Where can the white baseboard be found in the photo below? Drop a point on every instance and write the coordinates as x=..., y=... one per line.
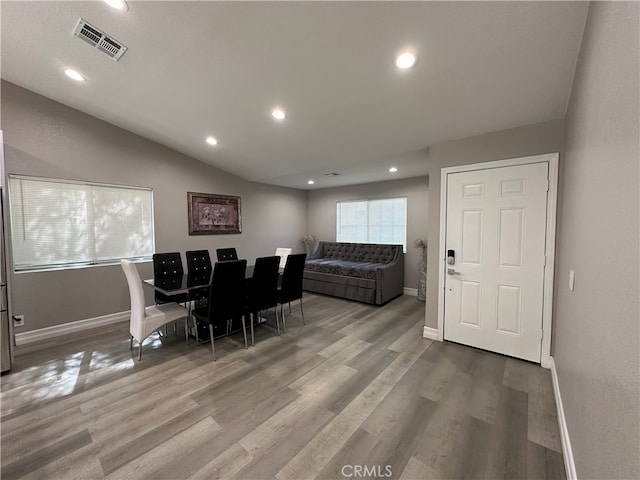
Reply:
x=412, y=292
x=567, y=452
x=65, y=328
x=431, y=333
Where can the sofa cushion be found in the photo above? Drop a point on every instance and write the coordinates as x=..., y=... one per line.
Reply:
x=343, y=267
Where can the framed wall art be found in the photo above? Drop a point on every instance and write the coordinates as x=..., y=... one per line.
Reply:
x=211, y=214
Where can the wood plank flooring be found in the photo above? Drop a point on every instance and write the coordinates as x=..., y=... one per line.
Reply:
x=355, y=393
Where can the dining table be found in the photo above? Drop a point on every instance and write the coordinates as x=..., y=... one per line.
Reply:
x=190, y=283
x=185, y=283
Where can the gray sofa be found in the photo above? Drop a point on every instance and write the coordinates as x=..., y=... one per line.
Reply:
x=364, y=272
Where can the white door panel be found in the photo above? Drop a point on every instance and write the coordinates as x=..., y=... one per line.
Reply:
x=496, y=224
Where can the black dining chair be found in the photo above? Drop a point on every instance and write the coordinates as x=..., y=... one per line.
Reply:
x=291, y=288
x=225, y=254
x=225, y=303
x=167, y=269
x=262, y=290
x=198, y=272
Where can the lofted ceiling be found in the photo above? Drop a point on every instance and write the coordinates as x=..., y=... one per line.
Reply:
x=194, y=69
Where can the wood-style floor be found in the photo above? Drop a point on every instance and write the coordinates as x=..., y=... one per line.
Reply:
x=356, y=393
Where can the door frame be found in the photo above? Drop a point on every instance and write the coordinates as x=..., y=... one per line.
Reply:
x=550, y=244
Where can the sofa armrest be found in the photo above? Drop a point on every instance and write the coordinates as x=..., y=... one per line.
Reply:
x=318, y=253
x=390, y=279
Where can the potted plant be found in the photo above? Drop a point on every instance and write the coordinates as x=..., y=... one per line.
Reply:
x=421, y=245
x=308, y=242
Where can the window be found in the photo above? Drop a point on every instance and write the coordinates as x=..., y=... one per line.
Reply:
x=373, y=221
x=62, y=224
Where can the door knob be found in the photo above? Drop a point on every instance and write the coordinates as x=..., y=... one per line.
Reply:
x=451, y=271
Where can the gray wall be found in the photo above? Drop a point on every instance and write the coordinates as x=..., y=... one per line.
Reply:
x=45, y=138
x=517, y=142
x=322, y=213
x=597, y=325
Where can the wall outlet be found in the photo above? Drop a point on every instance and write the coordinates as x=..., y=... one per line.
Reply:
x=18, y=320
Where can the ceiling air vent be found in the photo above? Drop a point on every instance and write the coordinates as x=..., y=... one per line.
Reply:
x=97, y=38
x=331, y=174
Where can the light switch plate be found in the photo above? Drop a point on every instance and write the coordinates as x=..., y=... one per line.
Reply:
x=572, y=280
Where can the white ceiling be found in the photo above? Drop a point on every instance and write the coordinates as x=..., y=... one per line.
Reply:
x=217, y=68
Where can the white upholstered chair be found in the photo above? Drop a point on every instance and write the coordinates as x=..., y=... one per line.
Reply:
x=283, y=253
x=145, y=320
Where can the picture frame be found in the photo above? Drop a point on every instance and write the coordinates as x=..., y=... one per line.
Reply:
x=211, y=214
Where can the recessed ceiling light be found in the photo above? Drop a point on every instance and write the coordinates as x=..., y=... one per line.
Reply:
x=117, y=4
x=406, y=60
x=278, y=114
x=310, y=182
x=393, y=170
x=71, y=73
x=212, y=140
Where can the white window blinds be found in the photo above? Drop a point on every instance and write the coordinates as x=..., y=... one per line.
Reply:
x=373, y=221
x=58, y=223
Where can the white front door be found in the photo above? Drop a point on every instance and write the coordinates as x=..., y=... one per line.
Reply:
x=494, y=284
